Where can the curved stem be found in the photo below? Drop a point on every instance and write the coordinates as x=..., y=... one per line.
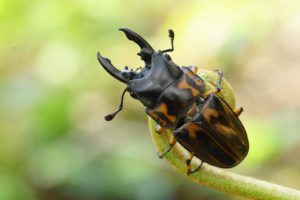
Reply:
x=220, y=179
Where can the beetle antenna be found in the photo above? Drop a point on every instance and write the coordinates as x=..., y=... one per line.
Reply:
x=172, y=36
x=112, y=115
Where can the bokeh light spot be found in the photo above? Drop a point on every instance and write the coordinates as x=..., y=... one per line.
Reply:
x=57, y=64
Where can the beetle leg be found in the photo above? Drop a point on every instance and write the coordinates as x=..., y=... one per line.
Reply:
x=218, y=84
x=188, y=163
x=193, y=68
x=172, y=142
x=213, y=91
x=158, y=129
x=197, y=168
x=220, y=73
x=238, y=111
x=189, y=166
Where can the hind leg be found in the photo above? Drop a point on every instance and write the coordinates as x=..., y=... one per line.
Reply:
x=189, y=166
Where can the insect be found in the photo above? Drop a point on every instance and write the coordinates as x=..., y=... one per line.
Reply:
x=176, y=99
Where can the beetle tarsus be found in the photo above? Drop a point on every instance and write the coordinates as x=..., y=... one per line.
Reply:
x=161, y=155
x=197, y=168
x=218, y=84
x=220, y=73
x=172, y=142
x=189, y=166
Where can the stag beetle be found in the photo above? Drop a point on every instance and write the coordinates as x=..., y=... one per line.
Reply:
x=176, y=98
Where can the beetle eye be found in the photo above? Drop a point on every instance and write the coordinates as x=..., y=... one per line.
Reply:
x=167, y=57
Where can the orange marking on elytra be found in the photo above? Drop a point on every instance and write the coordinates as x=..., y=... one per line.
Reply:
x=192, y=129
x=209, y=113
x=221, y=131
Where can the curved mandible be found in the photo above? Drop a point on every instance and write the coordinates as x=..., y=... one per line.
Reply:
x=146, y=49
x=106, y=64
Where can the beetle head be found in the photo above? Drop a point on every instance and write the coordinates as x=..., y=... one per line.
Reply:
x=145, y=53
x=148, y=82
x=126, y=74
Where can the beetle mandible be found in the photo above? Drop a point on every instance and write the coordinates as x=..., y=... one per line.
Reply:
x=176, y=98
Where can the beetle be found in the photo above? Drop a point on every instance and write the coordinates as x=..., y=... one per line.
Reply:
x=176, y=99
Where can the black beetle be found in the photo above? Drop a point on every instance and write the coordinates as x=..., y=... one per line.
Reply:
x=175, y=97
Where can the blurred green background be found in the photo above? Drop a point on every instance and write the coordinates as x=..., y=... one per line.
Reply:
x=54, y=142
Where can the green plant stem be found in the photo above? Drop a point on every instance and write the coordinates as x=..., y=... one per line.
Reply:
x=220, y=179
